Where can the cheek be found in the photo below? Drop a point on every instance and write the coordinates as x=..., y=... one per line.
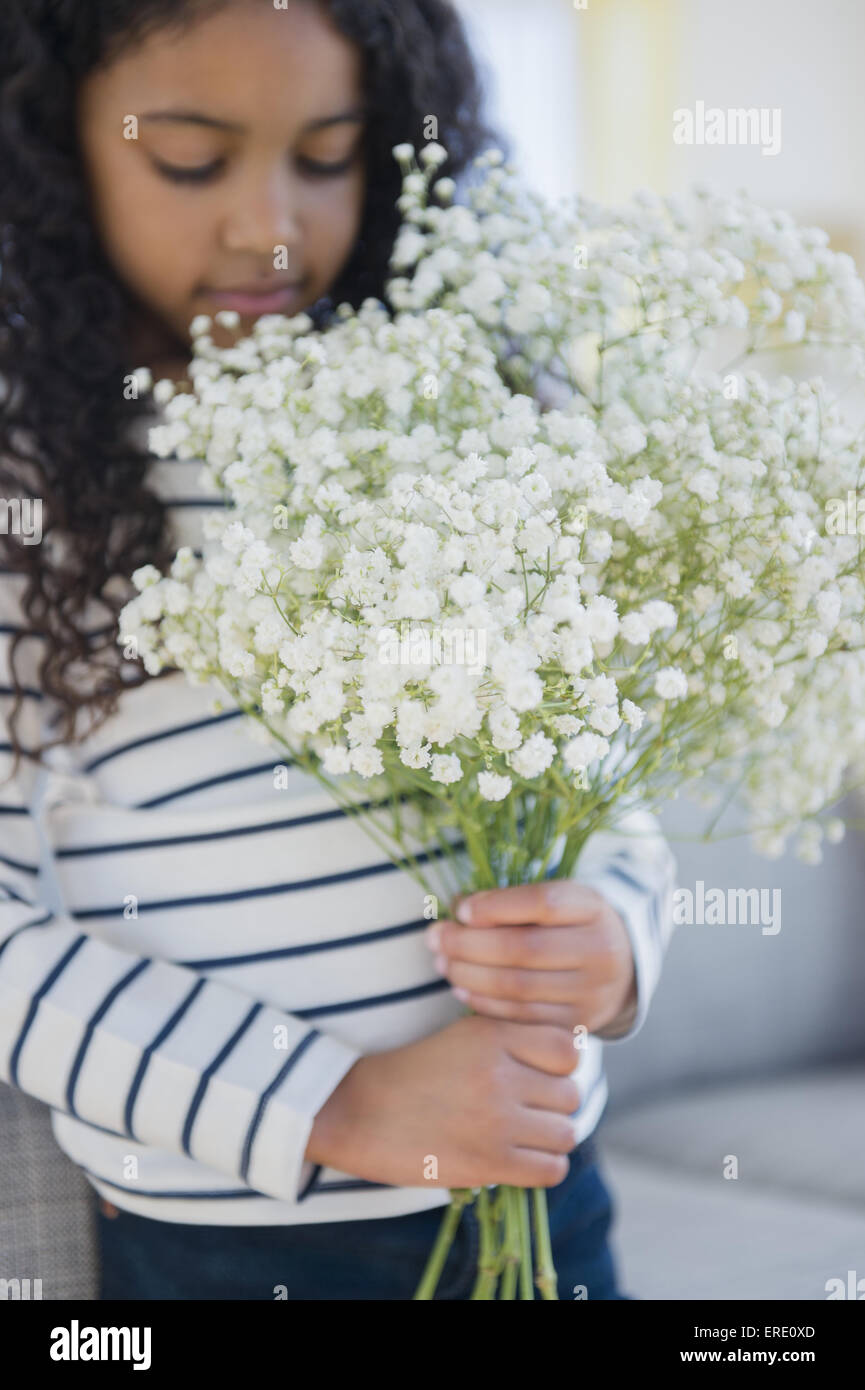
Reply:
x=334, y=223
x=154, y=235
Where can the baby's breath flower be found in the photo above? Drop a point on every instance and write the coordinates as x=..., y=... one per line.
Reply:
x=433, y=154
x=520, y=522
x=671, y=684
x=145, y=576
x=445, y=767
x=493, y=787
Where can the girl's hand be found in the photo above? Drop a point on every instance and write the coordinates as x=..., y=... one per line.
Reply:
x=554, y=952
x=478, y=1102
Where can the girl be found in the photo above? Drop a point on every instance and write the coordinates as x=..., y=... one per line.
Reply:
x=218, y=985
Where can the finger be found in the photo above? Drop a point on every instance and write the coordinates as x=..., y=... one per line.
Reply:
x=523, y=986
x=539, y=1129
x=535, y=1168
x=542, y=1047
x=556, y=902
x=533, y=946
x=561, y=1015
x=557, y=1093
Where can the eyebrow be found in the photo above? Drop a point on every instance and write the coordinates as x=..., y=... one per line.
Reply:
x=213, y=122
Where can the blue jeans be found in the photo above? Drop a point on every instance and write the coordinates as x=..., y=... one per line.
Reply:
x=380, y=1259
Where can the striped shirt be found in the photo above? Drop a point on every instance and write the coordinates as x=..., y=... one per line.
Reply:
x=194, y=948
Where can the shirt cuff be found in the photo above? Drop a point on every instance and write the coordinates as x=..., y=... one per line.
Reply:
x=636, y=873
x=278, y=1165
x=647, y=963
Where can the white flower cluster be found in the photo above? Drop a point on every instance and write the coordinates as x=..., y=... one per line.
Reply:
x=574, y=290
x=640, y=571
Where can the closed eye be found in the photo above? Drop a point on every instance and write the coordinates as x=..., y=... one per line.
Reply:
x=318, y=169
x=313, y=167
x=199, y=175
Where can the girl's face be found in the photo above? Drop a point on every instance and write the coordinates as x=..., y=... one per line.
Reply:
x=244, y=171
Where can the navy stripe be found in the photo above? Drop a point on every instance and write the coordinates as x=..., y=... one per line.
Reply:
x=199, y=837
x=156, y=738
x=282, y=952
x=146, y=1055
x=374, y=1000
x=14, y=811
x=103, y=1129
x=204, y=1079
x=267, y=891
x=92, y=1023
x=12, y=895
x=265, y=1097
x=202, y=786
x=311, y=818
x=348, y=1185
x=309, y=1186
x=7, y=748
x=151, y=1192
x=40, y=993
x=25, y=690
x=40, y=922
x=618, y=872
x=19, y=864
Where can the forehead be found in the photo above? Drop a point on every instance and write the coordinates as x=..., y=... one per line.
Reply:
x=262, y=68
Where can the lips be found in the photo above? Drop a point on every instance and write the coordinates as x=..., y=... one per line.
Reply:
x=272, y=298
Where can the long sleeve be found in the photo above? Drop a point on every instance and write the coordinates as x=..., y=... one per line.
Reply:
x=139, y=1047
x=635, y=869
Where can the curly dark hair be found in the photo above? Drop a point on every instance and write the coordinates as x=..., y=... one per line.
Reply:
x=64, y=313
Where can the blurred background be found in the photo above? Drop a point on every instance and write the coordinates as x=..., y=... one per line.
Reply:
x=587, y=94
x=734, y=1139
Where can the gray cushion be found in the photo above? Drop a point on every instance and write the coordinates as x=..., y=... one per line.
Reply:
x=801, y=1134
x=47, y=1227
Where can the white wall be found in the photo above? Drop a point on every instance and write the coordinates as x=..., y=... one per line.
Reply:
x=529, y=51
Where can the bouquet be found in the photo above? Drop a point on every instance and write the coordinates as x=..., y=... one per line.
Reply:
x=524, y=461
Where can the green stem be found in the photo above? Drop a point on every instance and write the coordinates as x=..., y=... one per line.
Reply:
x=447, y=1230
x=526, y=1287
x=487, y=1277
x=511, y=1251
x=545, y=1277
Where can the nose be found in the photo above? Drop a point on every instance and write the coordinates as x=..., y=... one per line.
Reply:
x=264, y=214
